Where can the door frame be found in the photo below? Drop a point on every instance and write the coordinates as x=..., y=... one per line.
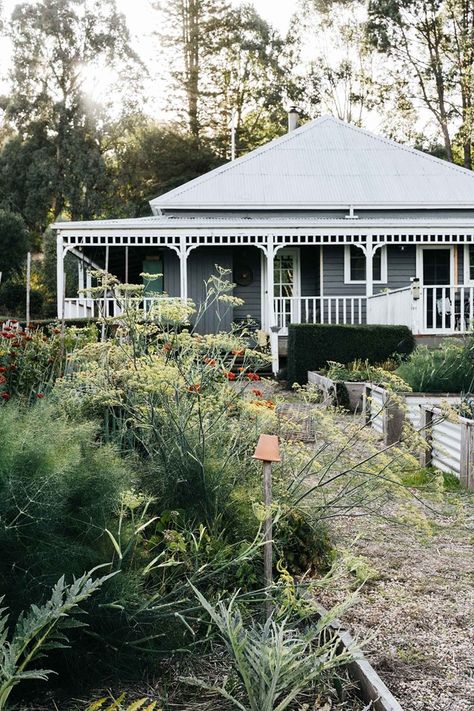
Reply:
x=295, y=253
x=419, y=260
x=265, y=316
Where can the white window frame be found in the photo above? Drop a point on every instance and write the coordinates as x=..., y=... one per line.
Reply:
x=347, y=266
x=466, y=270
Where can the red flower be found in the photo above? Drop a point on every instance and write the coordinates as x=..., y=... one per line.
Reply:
x=253, y=376
x=2, y=379
x=5, y=396
x=3, y=369
x=28, y=338
x=40, y=395
x=257, y=393
x=196, y=388
x=230, y=376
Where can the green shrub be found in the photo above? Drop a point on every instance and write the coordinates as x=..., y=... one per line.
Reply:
x=447, y=369
x=59, y=491
x=14, y=242
x=310, y=346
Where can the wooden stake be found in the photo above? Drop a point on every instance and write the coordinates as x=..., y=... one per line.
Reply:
x=268, y=536
x=267, y=451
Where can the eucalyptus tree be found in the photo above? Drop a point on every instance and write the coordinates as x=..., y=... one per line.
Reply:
x=431, y=43
x=60, y=48
x=252, y=81
x=225, y=63
x=191, y=32
x=340, y=74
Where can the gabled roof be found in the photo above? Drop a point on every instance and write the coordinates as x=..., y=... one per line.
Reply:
x=327, y=164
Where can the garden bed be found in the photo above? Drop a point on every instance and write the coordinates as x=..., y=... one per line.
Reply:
x=347, y=393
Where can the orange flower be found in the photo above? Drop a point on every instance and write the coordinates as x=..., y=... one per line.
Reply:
x=253, y=376
x=230, y=376
x=257, y=393
x=2, y=379
x=240, y=352
x=167, y=347
x=265, y=403
x=210, y=361
x=196, y=388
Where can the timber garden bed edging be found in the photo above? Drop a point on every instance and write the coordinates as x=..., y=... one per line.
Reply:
x=372, y=688
x=348, y=393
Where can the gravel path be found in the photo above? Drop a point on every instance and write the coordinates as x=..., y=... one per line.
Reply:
x=416, y=610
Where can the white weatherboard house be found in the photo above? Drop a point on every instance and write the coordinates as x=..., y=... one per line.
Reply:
x=328, y=224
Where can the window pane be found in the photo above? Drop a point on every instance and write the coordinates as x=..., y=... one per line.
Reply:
x=471, y=263
x=377, y=265
x=357, y=264
x=358, y=272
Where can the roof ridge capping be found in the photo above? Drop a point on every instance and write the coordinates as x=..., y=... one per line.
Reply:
x=348, y=194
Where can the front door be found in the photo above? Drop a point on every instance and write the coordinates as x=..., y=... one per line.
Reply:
x=436, y=283
x=286, y=288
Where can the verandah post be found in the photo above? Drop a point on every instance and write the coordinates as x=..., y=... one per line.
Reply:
x=60, y=276
x=271, y=316
x=183, y=269
x=369, y=266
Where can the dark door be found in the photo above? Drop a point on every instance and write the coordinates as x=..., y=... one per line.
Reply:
x=436, y=267
x=437, y=272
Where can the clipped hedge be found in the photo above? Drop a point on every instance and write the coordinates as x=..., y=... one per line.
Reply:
x=310, y=346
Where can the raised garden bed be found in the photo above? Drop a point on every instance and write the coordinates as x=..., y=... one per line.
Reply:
x=387, y=411
x=349, y=394
x=449, y=440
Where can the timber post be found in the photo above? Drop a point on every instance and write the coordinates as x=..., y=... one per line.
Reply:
x=267, y=451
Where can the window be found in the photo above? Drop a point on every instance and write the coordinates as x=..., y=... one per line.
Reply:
x=470, y=263
x=354, y=265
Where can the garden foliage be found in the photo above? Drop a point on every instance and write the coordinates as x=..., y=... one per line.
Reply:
x=447, y=369
x=138, y=456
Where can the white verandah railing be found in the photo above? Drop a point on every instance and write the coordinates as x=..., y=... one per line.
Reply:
x=109, y=307
x=318, y=309
x=425, y=309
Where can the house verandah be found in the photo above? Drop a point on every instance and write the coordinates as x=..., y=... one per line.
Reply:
x=297, y=269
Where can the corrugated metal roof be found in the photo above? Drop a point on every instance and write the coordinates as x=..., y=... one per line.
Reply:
x=327, y=163
x=427, y=222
